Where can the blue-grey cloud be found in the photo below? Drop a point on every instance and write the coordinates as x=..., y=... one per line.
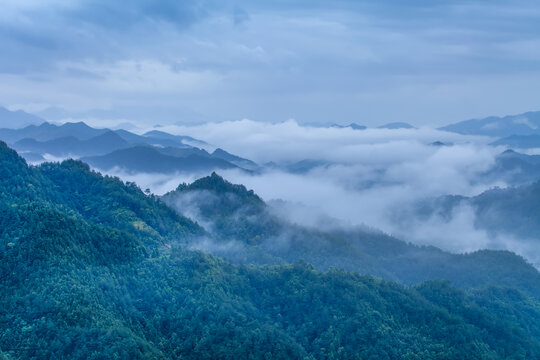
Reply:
x=340, y=61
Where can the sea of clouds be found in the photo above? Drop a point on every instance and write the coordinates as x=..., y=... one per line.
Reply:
x=371, y=177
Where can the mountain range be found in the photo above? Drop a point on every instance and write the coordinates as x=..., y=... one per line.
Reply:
x=353, y=126
x=507, y=215
x=154, y=151
x=522, y=124
x=396, y=125
x=147, y=159
x=91, y=267
x=17, y=119
x=514, y=168
x=519, y=141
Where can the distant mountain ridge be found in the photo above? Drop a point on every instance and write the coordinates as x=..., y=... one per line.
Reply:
x=511, y=214
x=353, y=126
x=68, y=146
x=519, y=141
x=521, y=124
x=515, y=168
x=164, y=138
x=396, y=125
x=152, y=152
x=46, y=131
x=17, y=119
x=147, y=159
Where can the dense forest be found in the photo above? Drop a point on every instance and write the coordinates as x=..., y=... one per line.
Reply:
x=94, y=268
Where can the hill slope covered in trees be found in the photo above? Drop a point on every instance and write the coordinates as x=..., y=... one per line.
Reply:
x=247, y=230
x=89, y=269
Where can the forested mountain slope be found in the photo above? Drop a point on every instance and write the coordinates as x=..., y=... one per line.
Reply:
x=246, y=230
x=82, y=277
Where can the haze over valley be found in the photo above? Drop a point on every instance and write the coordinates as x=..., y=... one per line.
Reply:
x=350, y=175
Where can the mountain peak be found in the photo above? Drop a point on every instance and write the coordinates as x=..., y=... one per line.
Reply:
x=353, y=126
x=396, y=125
x=521, y=124
x=17, y=119
x=219, y=151
x=10, y=163
x=76, y=125
x=218, y=184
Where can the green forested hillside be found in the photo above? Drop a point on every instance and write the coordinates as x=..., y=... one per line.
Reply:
x=77, y=191
x=235, y=216
x=91, y=268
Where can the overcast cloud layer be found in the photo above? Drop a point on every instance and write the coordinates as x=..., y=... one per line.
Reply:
x=425, y=62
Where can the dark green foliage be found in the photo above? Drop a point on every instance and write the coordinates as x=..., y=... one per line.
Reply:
x=77, y=282
x=70, y=188
x=17, y=180
x=42, y=233
x=234, y=211
x=193, y=306
x=70, y=145
x=108, y=201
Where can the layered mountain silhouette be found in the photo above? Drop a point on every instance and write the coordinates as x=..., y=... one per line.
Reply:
x=353, y=126
x=47, y=131
x=396, y=125
x=17, y=119
x=522, y=124
x=72, y=146
x=149, y=159
x=514, y=168
x=519, y=141
x=166, y=139
x=154, y=151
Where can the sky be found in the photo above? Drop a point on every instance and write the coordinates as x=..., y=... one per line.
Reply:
x=426, y=62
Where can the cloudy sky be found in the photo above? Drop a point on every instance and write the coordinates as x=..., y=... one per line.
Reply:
x=427, y=62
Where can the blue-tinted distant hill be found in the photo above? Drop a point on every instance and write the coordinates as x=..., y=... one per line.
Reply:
x=148, y=159
x=522, y=124
x=519, y=141
x=396, y=125
x=510, y=214
x=514, y=168
x=237, y=160
x=80, y=130
x=47, y=131
x=353, y=126
x=71, y=146
x=17, y=119
x=80, y=140
x=167, y=139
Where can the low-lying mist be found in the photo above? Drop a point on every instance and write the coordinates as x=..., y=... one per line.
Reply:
x=370, y=177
